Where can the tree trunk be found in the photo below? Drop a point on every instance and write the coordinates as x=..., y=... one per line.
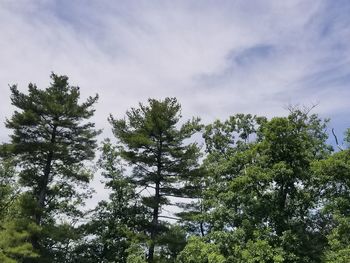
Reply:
x=154, y=229
x=42, y=191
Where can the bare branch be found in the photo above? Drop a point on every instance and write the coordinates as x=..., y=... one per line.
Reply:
x=169, y=217
x=336, y=140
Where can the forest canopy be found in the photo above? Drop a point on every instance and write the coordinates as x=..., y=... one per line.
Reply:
x=252, y=189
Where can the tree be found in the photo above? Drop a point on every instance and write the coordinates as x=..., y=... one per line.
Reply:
x=14, y=240
x=339, y=242
x=51, y=142
x=332, y=181
x=347, y=137
x=199, y=251
x=14, y=229
x=155, y=147
x=8, y=188
x=230, y=151
x=116, y=223
x=267, y=185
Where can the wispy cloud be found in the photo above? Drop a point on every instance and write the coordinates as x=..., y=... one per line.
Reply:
x=217, y=57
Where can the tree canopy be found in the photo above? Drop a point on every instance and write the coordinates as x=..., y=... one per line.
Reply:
x=50, y=144
x=245, y=189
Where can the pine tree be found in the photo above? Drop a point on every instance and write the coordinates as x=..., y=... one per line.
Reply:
x=8, y=188
x=51, y=142
x=14, y=229
x=117, y=222
x=155, y=147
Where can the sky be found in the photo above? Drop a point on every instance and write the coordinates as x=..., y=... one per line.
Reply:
x=218, y=57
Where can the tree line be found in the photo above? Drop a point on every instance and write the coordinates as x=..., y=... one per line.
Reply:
x=253, y=189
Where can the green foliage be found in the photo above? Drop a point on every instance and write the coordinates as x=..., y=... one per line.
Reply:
x=199, y=251
x=332, y=180
x=136, y=254
x=151, y=142
x=50, y=144
x=339, y=242
x=118, y=222
x=240, y=246
x=347, y=137
x=8, y=187
x=171, y=243
x=267, y=190
x=14, y=243
x=14, y=230
x=15, y=235
x=225, y=138
x=260, y=251
x=268, y=183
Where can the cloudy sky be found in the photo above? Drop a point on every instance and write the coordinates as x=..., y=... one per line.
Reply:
x=217, y=57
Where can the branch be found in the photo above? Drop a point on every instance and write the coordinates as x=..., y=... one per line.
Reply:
x=170, y=217
x=336, y=140
x=143, y=189
x=9, y=202
x=178, y=196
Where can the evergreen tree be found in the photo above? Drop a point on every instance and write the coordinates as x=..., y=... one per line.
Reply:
x=15, y=229
x=8, y=188
x=116, y=223
x=51, y=142
x=155, y=147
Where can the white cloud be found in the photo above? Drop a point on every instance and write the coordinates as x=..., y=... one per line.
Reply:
x=216, y=57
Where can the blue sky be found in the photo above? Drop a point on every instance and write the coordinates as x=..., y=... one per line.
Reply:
x=217, y=57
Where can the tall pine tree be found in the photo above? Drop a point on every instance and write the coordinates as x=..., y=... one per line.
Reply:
x=155, y=147
x=51, y=142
